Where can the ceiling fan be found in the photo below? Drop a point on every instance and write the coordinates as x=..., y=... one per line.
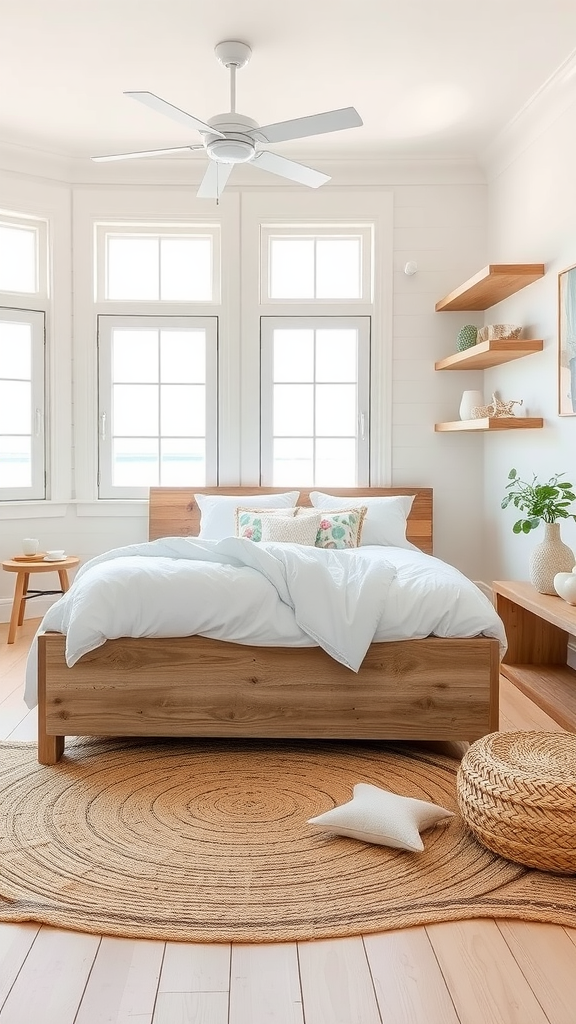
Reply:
x=233, y=138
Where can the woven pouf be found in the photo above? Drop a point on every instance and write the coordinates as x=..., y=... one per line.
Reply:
x=517, y=795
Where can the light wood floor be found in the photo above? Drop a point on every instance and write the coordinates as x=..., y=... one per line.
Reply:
x=474, y=972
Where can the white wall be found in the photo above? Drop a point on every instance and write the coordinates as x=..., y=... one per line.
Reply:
x=440, y=223
x=532, y=213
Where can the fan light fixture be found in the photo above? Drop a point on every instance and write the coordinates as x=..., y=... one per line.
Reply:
x=233, y=138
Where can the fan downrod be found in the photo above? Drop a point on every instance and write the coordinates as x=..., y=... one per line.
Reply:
x=233, y=54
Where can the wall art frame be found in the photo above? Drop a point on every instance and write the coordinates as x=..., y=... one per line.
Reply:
x=567, y=342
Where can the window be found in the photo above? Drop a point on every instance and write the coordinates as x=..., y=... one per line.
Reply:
x=329, y=266
x=158, y=403
x=23, y=281
x=172, y=264
x=315, y=401
x=21, y=404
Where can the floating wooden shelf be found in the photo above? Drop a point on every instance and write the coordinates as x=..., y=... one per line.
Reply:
x=489, y=353
x=492, y=284
x=493, y=423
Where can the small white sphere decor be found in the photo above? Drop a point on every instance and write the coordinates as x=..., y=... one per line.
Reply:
x=565, y=586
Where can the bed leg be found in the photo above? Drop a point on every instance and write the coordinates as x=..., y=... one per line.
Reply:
x=50, y=748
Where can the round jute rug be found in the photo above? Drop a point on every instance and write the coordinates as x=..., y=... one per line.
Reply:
x=207, y=840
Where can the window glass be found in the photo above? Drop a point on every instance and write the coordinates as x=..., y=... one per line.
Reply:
x=292, y=268
x=338, y=268
x=18, y=259
x=133, y=268
x=186, y=269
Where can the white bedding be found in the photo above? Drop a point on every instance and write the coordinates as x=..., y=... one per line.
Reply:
x=266, y=594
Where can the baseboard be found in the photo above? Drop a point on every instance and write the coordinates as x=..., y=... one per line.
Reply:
x=36, y=607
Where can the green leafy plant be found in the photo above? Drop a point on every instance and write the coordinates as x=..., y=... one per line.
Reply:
x=541, y=502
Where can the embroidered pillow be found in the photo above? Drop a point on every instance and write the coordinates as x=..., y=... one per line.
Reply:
x=385, y=519
x=249, y=520
x=295, y=530
x=375, y=815
x=337, y=529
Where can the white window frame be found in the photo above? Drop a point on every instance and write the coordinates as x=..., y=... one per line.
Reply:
x=105, y=326
x=37, y=321
x=267, y=327
x=40, y=229
x=104, y=230
x=310, y=231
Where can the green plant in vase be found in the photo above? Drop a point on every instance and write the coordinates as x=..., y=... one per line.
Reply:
x=543, y=503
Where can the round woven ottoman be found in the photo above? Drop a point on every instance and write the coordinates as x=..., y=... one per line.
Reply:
x=517, y=795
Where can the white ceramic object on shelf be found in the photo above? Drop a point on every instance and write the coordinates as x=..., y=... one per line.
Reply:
x=565, y=586
x=548, y=559
x=30, y=546
x=470, y=400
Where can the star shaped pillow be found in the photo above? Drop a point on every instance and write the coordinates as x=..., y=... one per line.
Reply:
x=376, y=816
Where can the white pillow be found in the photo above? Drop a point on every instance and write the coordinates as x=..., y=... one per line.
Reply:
x=300, y=530
x=377, y=816
x=218, y=511
x=385, y=521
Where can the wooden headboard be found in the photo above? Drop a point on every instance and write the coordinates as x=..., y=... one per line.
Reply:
x=173, y=511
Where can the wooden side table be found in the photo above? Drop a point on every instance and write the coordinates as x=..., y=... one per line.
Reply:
x=538, y=627
x=21, y=592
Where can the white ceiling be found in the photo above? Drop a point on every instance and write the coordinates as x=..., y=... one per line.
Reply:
x=430, y=78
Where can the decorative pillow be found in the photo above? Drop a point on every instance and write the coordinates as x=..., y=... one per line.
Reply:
x=249, y=520
x=218, y=511
x=377, y=816
x=338, y=529
x=385, y=519
x=298, y=530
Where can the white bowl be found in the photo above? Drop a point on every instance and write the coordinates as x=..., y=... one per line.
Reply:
x=55, y=556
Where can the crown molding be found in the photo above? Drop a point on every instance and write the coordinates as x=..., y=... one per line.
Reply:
x=545, y=106
x=368, y=171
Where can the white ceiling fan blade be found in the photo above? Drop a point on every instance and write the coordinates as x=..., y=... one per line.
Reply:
x=213, y=182
x=314, y=124
x=277, y=164
x=146, y=152
x=162, y=107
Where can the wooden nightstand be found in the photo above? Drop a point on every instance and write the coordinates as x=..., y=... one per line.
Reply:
x=538, y=627
x=21, y=592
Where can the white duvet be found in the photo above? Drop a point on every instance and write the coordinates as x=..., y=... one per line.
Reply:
x=266, y=594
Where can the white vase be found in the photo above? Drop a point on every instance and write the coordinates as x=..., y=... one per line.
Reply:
x=548, y=558
x=470, y=399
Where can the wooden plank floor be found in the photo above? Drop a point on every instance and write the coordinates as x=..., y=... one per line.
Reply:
x=471, y=972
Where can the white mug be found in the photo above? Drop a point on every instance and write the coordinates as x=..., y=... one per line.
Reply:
x=30, y=546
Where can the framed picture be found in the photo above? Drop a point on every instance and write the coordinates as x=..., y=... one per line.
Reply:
x=567, y=342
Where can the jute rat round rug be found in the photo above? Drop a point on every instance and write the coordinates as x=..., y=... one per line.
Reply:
x=208, y=841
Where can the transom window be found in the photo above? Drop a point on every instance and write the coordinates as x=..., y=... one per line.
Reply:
x=315, y=401
x=332, y=266
x=171, y=265
x=158, y=404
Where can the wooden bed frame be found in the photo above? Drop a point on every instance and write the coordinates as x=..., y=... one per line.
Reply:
x=432, y=689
